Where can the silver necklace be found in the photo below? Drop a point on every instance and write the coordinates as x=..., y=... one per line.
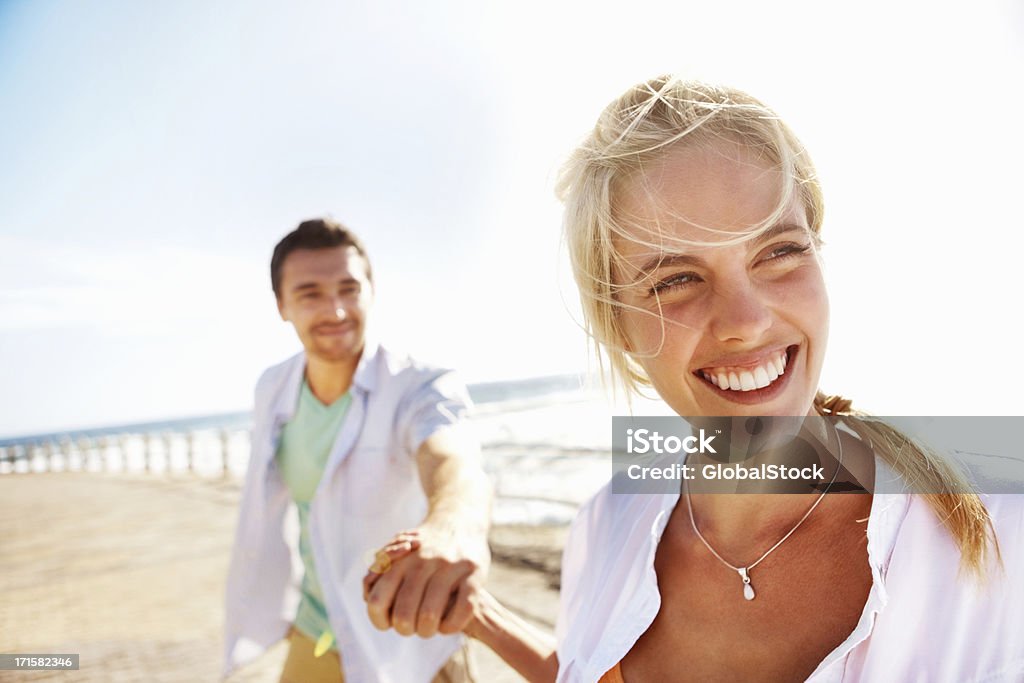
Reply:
x=744, y=572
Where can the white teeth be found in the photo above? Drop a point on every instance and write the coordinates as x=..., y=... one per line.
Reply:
x=748, y=380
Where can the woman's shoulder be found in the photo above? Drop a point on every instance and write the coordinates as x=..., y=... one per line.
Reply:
x=1006, y=510
x=607, y=565
x=923, y=532
x=612, y=536
x=1004, y=506
x=611, y=515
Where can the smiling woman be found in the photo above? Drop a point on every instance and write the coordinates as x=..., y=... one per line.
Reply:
x=686, y=290
x=693, y=219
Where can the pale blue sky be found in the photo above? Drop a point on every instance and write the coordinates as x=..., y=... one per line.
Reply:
x=153, y=153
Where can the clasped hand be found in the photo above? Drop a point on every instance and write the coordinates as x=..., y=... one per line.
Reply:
x=425, y=581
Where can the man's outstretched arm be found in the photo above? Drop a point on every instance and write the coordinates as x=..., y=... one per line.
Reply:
x=433, y=584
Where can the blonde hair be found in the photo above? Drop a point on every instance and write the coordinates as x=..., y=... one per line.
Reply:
x=638, y=129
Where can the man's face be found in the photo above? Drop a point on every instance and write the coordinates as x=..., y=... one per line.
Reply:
x=326, y=295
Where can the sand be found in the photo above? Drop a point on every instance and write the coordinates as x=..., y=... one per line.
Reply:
x=128, y=571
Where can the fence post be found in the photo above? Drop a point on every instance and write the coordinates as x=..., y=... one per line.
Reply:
x=103, y=452
x=122, y=441
x=47, y=449
x=167, y=440
x=64, y=447
x=225, y=443
x=85, y=446
x=190, y=440
x=49, y=453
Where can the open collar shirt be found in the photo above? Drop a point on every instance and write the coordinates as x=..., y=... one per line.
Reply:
x=921, y=622
x=369, y=491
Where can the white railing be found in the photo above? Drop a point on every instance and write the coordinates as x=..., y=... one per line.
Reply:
x=223, y=453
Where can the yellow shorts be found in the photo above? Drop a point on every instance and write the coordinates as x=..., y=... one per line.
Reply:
x=302, y=667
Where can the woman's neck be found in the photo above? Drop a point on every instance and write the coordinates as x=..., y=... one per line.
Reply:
x=748, y=515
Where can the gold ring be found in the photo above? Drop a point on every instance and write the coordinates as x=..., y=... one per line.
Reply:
x=381, y=562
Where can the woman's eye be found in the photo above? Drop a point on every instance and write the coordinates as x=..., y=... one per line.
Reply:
x=785, y=250
x=672, y=282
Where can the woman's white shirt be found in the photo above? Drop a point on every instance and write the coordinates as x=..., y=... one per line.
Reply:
x=921, y=622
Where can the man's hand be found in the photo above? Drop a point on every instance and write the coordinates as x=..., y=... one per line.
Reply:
x=428, y=578
x=426, y=581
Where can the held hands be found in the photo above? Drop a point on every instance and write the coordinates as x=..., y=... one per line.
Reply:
x=426, y=581
x=394, y=588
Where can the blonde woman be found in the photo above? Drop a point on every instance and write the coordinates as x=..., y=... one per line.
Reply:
x=693, y=219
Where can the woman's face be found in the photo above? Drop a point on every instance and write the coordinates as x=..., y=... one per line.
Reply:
x=721, y=330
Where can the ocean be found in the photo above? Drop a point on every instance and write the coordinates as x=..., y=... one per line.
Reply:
x=483, y=394
x=546, y=445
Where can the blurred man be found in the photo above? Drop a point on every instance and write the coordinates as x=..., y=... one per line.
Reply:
x=372, y=450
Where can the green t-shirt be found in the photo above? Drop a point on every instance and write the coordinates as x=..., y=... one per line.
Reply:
x=306, y=443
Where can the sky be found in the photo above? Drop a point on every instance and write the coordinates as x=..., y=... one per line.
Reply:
x=152, y=154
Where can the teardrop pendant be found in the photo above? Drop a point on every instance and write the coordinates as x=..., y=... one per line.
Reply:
x=748, y=589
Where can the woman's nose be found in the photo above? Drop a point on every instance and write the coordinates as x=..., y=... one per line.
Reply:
x=740, y=314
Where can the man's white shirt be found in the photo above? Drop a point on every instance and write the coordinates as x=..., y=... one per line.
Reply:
x=370, y=490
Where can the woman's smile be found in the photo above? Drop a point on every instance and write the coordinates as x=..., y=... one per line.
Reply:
x=751, y=383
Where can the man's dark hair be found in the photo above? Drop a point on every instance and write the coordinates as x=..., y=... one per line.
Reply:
x=316, y=233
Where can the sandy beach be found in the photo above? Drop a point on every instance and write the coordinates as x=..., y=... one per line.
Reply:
x=128, y=570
